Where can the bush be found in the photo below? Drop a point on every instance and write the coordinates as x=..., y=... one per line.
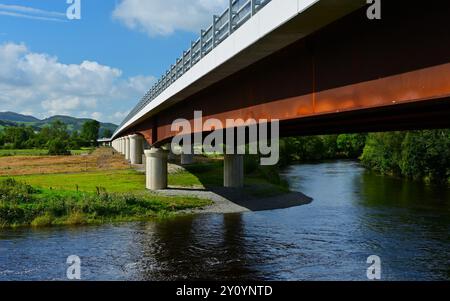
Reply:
x=58, y=147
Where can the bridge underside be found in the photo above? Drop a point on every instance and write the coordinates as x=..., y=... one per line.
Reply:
x=354, y=75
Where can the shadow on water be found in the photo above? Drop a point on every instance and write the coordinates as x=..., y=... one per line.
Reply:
x=187, y=250
x=378, y=190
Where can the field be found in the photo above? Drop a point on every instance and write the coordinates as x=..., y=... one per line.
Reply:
x=82, y=189
x=101, y=159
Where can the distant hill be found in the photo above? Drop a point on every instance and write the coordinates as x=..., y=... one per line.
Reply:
x=11, y=116
x=73, y=124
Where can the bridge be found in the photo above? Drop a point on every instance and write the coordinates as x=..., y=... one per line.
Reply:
x=319, y=67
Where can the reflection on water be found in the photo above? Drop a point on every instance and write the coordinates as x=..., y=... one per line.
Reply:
x=355, y=214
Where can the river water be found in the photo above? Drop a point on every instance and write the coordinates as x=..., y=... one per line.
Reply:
x=355, y=214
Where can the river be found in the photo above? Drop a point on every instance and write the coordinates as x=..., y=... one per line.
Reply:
x=355, y=214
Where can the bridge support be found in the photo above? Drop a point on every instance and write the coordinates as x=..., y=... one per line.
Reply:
x=187, y=159
x=127, y=148
x=156, y=169
x=136, y=149
x=233, y=171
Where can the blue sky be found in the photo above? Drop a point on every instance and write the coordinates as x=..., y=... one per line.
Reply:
x=98, y=66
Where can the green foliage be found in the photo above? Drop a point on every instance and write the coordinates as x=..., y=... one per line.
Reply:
x=383, y=152
x=90, y=131
x=416, y=155
x=315, y=148
x=107, y=133
x=351, y=145
x=75, y=141
x=58, y=147
x=55, y=137
x=17, y=137
x=56, y=130
x=2, y=137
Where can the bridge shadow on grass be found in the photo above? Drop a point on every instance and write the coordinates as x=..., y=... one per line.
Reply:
x=205, y=180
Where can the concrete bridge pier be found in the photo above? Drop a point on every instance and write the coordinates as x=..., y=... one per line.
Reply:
x=127, y=148
x=156, y=168
x=187, y=159
x=171, y=156
x=233, y=171
x=136, y=149
x=122, y=148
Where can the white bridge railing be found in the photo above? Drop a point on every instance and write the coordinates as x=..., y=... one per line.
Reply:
x=223, y=25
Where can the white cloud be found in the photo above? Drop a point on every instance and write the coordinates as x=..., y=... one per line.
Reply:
x=27, y=12
x=38, y=83
x=164, y=17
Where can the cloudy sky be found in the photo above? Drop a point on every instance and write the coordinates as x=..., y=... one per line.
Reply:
x=98, y=66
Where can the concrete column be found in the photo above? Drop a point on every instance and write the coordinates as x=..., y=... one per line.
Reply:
x=233, y=171
x=156, y=168
x=187, y=159
x=127, y=148
x=171, y=156
x=121, y=146
x=136, y=149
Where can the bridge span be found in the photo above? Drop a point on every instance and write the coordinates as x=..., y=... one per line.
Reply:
x=317, y=66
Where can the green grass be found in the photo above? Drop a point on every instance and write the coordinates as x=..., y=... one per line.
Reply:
x=258, y=183
x=199, y=175
x=23, y=152
x=116, y=181
x=24, y=205
x=38, y=152
x=82, y=151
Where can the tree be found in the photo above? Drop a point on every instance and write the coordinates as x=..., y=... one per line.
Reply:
x=90, y=131
x=56, y=129
x=351, y=145
x=57, y=147
x=426, y=154
x=2, y=139
x=18, y=137
x=107, y=133
x=383, y=152
x=75, y=141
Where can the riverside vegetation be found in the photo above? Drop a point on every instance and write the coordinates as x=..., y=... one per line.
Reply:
x=419, y=155
x=24, y=205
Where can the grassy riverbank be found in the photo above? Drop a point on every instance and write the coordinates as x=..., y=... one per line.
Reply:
x=101, y=187
x=25, y=205
x=79, y=190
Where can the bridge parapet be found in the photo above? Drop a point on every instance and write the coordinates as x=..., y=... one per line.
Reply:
x=237, y=13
